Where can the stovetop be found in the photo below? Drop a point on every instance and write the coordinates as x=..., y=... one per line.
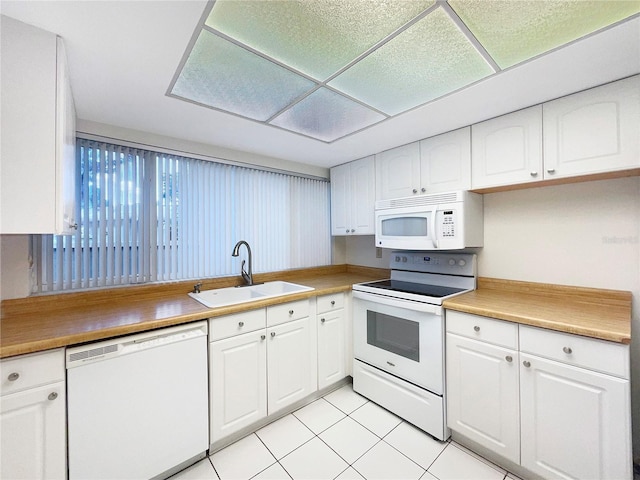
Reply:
x=425, y=277
x=436, y=291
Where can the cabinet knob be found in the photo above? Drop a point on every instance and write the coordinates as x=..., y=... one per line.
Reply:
x=322, y=320
x=262, y=337
x=290, y=312
x=534, y=174
x=551, y=170
x=347, y=230
x=567, y=350
x=353, y=230
x=333, y=302
x=13, y=376
x=526, y=363
x=476, y=328
x=423, y=190
x=53, y=395
x=509, y=358
x=415, y=190
x=273, y=334
x=240, y=324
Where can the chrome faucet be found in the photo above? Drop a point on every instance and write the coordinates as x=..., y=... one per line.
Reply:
x=247, y=276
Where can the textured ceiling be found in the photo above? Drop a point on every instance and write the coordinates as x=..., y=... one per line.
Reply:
x=329, y=68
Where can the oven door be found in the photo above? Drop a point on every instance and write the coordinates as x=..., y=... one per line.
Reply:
x=402, y=337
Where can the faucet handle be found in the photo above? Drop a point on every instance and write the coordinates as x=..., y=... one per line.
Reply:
x=196, y=287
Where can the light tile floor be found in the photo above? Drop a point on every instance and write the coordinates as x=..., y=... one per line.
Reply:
x=343, y=436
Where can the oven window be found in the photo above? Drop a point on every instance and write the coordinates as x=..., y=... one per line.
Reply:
x=405, y=227
x=393, y=334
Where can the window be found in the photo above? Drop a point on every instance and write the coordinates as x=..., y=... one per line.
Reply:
x=149, y=216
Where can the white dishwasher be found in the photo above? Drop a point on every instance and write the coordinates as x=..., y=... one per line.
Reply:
x=138, y=405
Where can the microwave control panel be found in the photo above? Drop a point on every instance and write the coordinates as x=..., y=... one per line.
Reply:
x=447, y=223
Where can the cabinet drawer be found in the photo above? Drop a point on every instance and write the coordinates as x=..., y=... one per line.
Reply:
x=27, y=371
x=231, y=325
x=591, y=353
x=286, y=312
x=328, y=303
x=485, y=329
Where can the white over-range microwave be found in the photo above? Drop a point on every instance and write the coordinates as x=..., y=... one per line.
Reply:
x=439, y=221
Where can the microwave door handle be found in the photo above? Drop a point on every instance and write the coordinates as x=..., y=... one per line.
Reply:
x=434, y=233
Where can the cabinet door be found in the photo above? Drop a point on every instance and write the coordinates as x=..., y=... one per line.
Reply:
x=507, y=149
x=398, y=172
x=363, y=196
x=291, y=362
x=482, y=394
x=597, y=130
x=445, y=162
x=238, y=383
x=36, y=121
x=33, y=434
x=341, y=200
x=331, y=348
x=575, y=422
x=65, y=147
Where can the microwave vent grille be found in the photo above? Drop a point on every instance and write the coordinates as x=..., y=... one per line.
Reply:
x=420, y=200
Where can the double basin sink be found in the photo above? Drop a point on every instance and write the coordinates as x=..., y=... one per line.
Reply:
x=221, y=297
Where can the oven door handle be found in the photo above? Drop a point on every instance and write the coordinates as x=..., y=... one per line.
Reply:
x=398, y=303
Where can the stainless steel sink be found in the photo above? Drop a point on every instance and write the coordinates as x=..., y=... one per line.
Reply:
x=221, y=297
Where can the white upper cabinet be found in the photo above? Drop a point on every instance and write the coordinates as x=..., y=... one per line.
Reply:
x=445, y=162
x=507, y=150
x=437, y=164
x=398, y=172
x=353, y=198
x=38, y=133
x=594, y=131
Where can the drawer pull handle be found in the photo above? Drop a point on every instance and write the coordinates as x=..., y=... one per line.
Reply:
x=567, y=350
x=509, y=358
x=476, y=328
x=290, y=312
x=13, y=376
x=526, y=363
x=333, y=302
x=392, y=364
x=273, y=334
x=240, y=324
x=262, y=337
x=53, y=396
x=322, y=320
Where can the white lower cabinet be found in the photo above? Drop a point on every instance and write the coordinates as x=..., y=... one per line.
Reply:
x=331, y=340
x=291, y=363
x=33, y=417
x=555, y=403
x=482, y=386
x=257, y=373
x=238, y=383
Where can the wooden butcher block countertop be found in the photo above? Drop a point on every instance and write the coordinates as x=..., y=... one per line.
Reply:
x=50, y=321
x=603, y=314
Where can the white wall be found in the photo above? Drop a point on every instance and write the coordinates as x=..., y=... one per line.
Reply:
x=14, y=266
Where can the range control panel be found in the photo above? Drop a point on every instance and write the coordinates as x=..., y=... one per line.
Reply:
x=434, y=262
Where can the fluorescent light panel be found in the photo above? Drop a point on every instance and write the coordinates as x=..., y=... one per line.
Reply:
x=270, y=61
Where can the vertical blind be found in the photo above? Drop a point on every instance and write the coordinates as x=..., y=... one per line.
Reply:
x=149, y=216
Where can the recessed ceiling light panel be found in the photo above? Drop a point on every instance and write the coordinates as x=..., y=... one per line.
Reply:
x=316, y=37
x=225, y=76
x=426, y=61
x=515, y=31
x=327, y=115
